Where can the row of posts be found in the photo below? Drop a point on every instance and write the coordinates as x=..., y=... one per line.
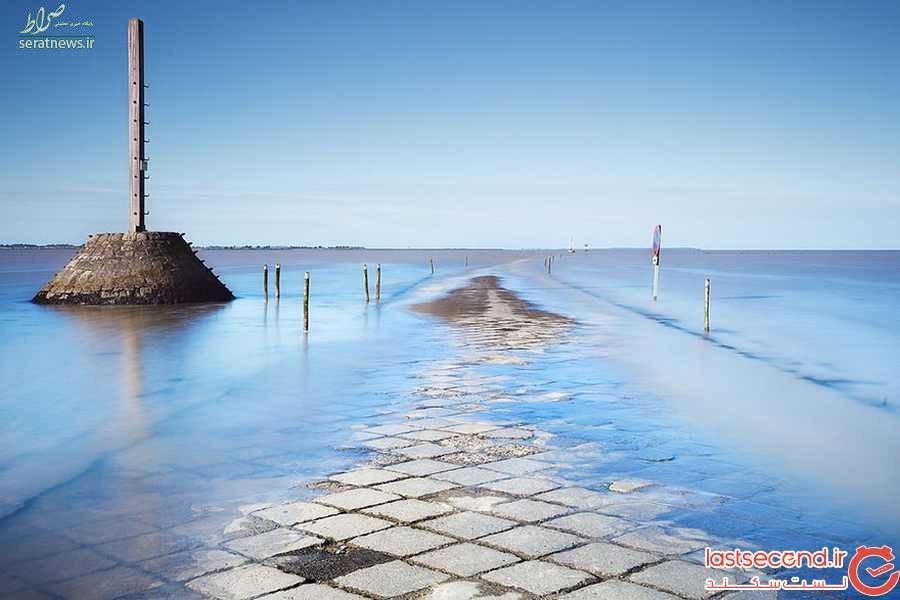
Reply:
x=548, y=266
x=365, y=270
x=305, y=289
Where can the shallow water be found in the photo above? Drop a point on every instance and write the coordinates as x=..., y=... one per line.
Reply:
x=135, y=433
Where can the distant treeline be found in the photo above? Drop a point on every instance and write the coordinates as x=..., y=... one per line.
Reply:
x=248, y=247
x=38, y=246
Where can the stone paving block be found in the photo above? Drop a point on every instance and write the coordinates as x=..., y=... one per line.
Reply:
x=416, y=487
x=465, y=559
x=637, y=511
x=272, y=543
x=517, y=466
x=108, y=530
x=591, y=525
x=522, y=486
x=422, y=467
x=533, y=541
x=469, y=476
x=537, y=577
x=355, y=499
x=605, y=560
x=477, y=502
x=391, y=429
x=401, y=541
x=295, y=512
x=683, y=578
x=426, y=450
x=468, y=525
x=312, y=591
x=244, y=582
x=391, y=579
x=616, y=590
x=529, y=510
x=510, y=433
x=428, y=435
x=471, y=428
x=578, y=497
x=344, y=526
x=656, y=539
x=387, y=443
x=62, y=566
x=437, y=422
x=627, y=486
x=193, y=563
x=111, y=583
x=409, y=510
x=149, y=545
x=366, y=476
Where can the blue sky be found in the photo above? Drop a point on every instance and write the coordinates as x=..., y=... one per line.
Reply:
x=488, y=123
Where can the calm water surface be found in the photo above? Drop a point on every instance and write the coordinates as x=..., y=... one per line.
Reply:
x=139, y=431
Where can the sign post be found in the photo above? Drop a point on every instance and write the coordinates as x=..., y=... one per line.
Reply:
x=657, y=239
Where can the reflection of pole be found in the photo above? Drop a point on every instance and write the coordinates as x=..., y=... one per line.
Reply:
x=655, y=281
x=706, y=306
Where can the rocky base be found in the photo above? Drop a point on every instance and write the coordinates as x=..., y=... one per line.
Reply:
x=153, y=267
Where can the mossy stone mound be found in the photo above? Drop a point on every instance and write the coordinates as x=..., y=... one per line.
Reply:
x=151, y=267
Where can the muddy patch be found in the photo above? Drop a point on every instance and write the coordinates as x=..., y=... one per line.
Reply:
x=497, y=317
x=323, y=563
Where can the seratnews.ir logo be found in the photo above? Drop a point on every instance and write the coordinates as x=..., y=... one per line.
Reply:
x=33, y=35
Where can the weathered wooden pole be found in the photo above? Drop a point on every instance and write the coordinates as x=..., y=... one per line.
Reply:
x=706, y=306
x=366, y=281
x=277, y=280
x=378, y=283
x=431, y=262
x=137, y=159
x=549, y=264
x=306, y=301
x=266, y=281
x=467, y=260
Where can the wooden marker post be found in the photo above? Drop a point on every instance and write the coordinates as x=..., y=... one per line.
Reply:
x=706, y=306
x=366, y=281
x=378, y=283
x=467, y=260
x=431, y=262
x=266, y=281
x=277, y=280
x=657, y=241
x=306, y=301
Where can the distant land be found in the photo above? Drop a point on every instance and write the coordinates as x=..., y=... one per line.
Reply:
x=213, y=247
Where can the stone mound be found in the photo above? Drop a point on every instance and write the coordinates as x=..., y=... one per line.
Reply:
x=150, y=267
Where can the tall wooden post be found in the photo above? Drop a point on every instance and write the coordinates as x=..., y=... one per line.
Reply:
x=366, y=281
x=136, y=162
x=306, y=301
x=706, y=306
x=378, y=282
x=277, y=280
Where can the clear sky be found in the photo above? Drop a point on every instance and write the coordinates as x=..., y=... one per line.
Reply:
x=735, y=124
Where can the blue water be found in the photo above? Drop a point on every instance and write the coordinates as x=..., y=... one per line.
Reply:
x=167, y=419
